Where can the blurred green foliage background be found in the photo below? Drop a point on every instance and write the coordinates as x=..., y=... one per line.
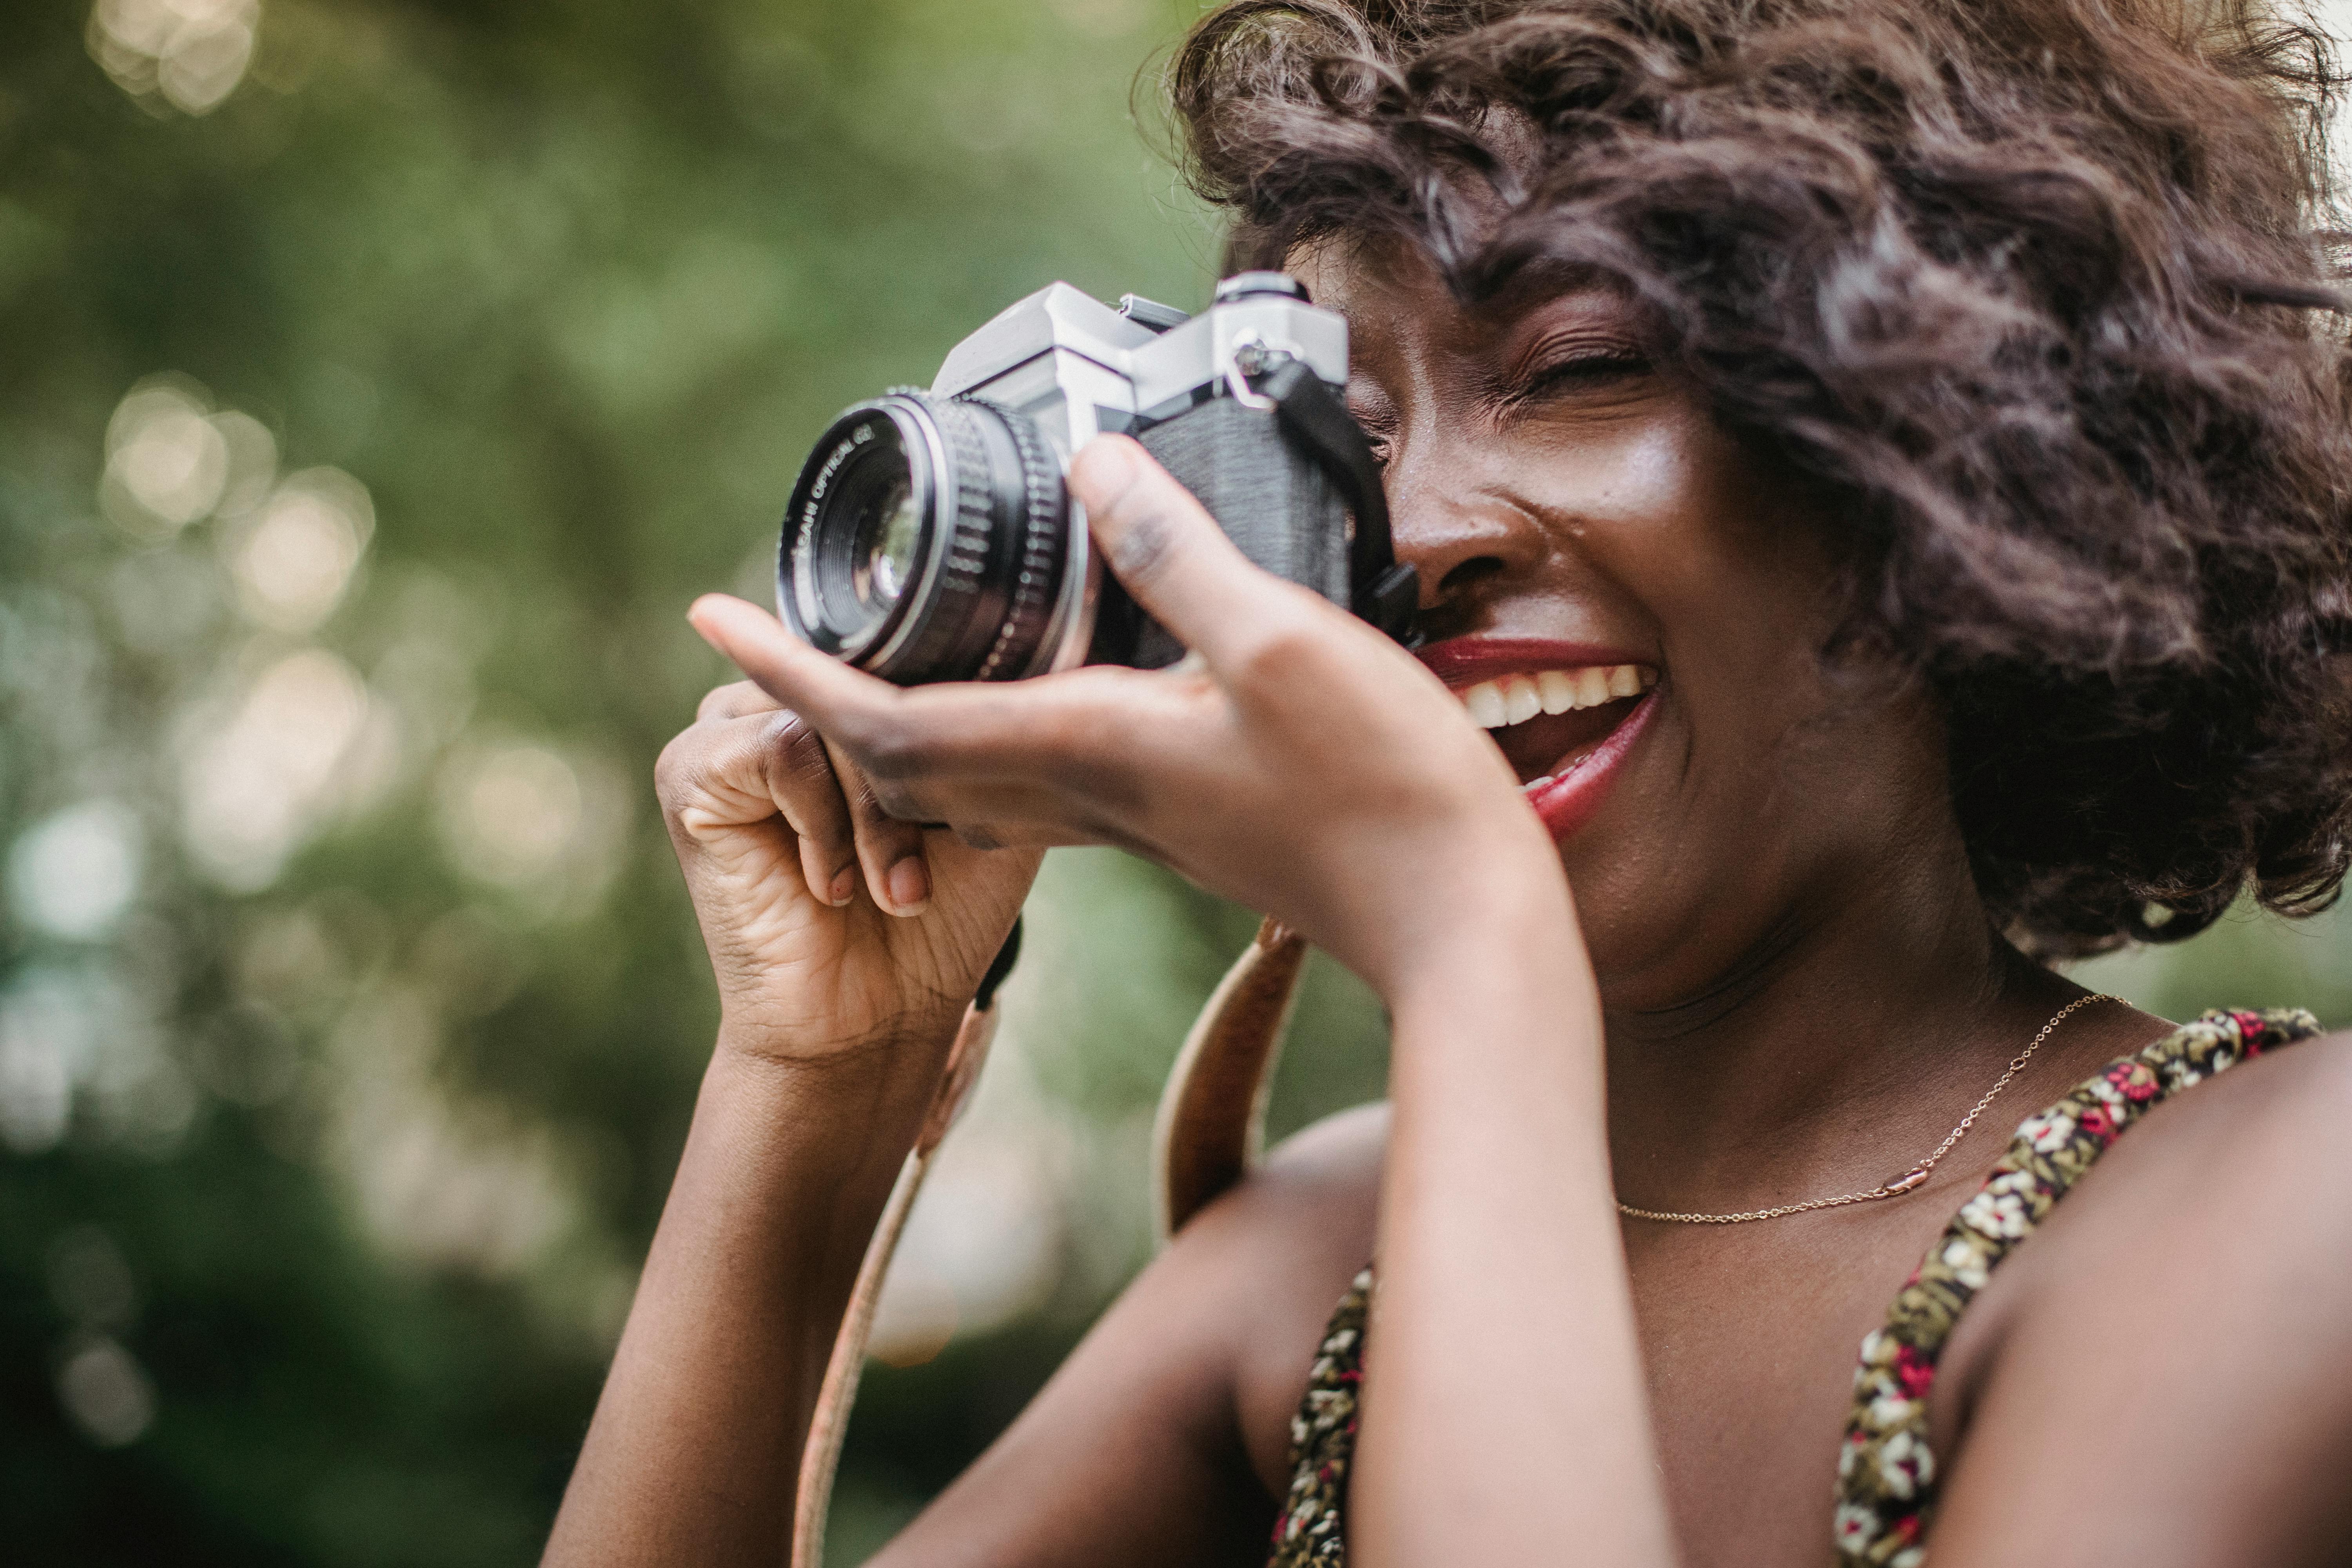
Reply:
x=380, y=382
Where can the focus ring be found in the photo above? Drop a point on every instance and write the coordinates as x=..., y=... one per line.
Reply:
x=1040, y=553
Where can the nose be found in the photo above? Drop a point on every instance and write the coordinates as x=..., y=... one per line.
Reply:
x=1464, y=539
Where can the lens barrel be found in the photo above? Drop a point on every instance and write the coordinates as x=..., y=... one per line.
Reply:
x=928, y=540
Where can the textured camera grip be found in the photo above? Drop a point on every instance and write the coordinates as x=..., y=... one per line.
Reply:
x=1271, y=498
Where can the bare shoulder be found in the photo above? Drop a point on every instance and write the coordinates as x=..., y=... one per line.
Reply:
x=1311, y=1200
x=1292, y=1236
x=1164, y=1437
x=2182, y=1313
x=1325, y=1175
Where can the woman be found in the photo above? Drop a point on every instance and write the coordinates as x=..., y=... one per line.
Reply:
x=1923, y=420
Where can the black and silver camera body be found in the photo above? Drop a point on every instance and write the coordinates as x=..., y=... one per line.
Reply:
x=932, y=536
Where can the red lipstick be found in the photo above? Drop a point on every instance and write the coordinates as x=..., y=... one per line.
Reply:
x=1574, y=794
x=1465, y=662
x=1566, y=792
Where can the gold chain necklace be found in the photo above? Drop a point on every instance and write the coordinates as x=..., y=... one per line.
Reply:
x=1910, y=1179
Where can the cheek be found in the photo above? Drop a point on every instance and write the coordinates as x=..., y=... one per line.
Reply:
x=1714, y=552
x=1707, y=540
x=1737, y=576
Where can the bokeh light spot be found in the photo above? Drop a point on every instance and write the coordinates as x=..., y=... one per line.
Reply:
x=252, y=461
x=36, y=1080
x=107, y=1392
x=189, y=53
x=526, y=818
x=74, y=873
x=294, y=561
x=253, y=786
x=91, y=1280
x=166, y=462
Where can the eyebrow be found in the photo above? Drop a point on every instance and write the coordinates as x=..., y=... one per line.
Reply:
x=1540, y=278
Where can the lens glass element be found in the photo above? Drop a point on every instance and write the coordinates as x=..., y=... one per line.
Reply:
x=887, y=536
x=860, y=530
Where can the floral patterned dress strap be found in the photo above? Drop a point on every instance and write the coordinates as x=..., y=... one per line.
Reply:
x=1886, y=1483
x=1309, y=1535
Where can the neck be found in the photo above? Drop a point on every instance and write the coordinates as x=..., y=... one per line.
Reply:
x=1817, y=1059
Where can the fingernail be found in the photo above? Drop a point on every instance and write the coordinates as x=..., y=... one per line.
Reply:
x=910, y=886
x=844, y=886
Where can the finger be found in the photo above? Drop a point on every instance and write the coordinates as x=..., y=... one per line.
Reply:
x=843, y=702
x=809, y=795
x=724, y=775
x=902, y=737
x=889, y=850
x=1085, y=737
x=1169, y=552
x=734, y=702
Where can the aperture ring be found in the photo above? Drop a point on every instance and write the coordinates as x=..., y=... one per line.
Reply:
x=967, y=556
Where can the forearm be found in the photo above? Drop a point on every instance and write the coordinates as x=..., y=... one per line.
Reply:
x=696, y=1441
x=1506, y=1418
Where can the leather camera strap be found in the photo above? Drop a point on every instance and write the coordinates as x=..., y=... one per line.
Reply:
x=1208, y=1133
x=1211, y=1127
x=829, y=1423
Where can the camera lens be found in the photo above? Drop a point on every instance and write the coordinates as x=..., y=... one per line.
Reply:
x=928, y=540
x=886, y=537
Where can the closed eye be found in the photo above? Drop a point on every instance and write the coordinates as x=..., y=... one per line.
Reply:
x=1575, y=374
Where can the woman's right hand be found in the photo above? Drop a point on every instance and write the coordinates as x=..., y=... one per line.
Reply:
x=835, y=930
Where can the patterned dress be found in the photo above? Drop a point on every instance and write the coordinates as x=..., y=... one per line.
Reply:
x=1885, y=1500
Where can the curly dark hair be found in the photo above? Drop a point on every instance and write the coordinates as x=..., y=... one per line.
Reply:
x=2033, y=288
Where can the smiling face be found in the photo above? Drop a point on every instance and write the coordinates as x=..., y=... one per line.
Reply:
x=1634, y=604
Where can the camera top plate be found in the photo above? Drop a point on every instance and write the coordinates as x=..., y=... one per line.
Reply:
x=1061, y=344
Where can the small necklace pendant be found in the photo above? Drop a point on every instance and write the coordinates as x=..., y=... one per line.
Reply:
x=1910, y=1180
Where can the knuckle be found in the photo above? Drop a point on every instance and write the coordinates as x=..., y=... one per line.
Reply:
x=891, y=805
x=728, y=701
x=894, y=755
x=806, y=787
x=1276, y=650
x=787, y=735
x=675, y=770
x=792, y=752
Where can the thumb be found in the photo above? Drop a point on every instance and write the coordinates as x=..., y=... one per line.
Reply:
x=1169, y=552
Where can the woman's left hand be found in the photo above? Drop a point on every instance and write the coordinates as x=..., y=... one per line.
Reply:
x=1299, y=762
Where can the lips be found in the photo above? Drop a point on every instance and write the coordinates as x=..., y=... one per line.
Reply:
x=1564, y=714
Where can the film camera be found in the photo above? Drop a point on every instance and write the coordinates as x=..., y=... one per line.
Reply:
x=931, y=536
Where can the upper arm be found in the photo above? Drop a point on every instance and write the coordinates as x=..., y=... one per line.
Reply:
x=1150, y=1444
x=2166, y=1378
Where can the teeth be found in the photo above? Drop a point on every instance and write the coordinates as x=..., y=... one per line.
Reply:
x=1515, y=699
x=1520, y=703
